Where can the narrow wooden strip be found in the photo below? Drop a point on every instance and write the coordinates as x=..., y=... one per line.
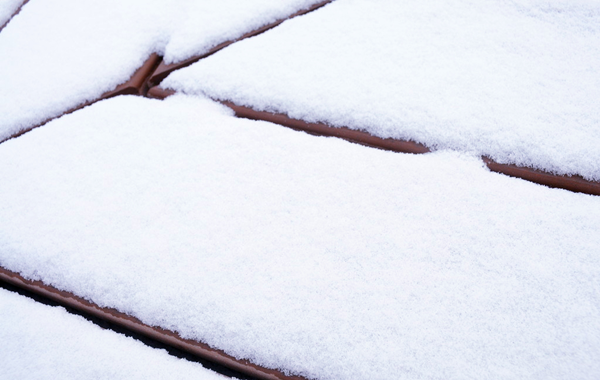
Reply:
x=320, y=129
x=165, y=69
x=136, y=84
x=158, y=92
x=167, y=337
x=573, y=183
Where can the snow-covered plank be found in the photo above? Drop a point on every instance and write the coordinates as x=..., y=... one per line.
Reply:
x=310, y=254
x=45, y=342
x=116, y=318
x=515, y=81
x=60, y=54
x=205, y=24
x=568, y=182
x=135, y=85
x=183, y=51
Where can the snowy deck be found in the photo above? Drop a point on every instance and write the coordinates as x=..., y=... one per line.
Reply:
x=284, y=254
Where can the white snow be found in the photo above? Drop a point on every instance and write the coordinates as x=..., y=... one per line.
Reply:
x=311, y=254
x=518, y=81
x=44, y=342
x=58, y=54
x=7, y=8
x=204, y=24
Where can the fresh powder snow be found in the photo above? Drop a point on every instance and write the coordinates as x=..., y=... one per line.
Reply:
x=204, y=24
x=46, y=343
x=310, y=254
x=59, y=54
x=518, y=81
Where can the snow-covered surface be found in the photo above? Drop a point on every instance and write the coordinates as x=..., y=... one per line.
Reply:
x=515, y=80
x=44, y=342
x=58, y=54
x=7, y=8
x=310, y=254
x=205, y=24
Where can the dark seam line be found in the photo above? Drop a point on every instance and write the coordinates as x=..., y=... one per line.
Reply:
x=107, y=325
x=166, y=337
x=134, y=86
x=572, y=183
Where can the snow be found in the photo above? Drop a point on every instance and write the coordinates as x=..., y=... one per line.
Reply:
x=7, y=8
x=45, y=342
x=205, y=24
x=310, y=254
x=518, y=81
x=59, y=54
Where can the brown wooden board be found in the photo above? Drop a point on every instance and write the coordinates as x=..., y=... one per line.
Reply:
x=320, y=129
x=137, y=84
x=573, y=183
x=165, y=69
x=158, y=92
x=167, y=337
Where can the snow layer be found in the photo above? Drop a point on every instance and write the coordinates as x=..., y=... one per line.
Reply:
x=44, y=342
x=518, y=81
x=59, y=54
x=311, y=254
x=7, y=9
x=205, y=24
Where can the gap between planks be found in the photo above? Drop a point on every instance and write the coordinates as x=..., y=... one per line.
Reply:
x=169, y=338
x=573, y=183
